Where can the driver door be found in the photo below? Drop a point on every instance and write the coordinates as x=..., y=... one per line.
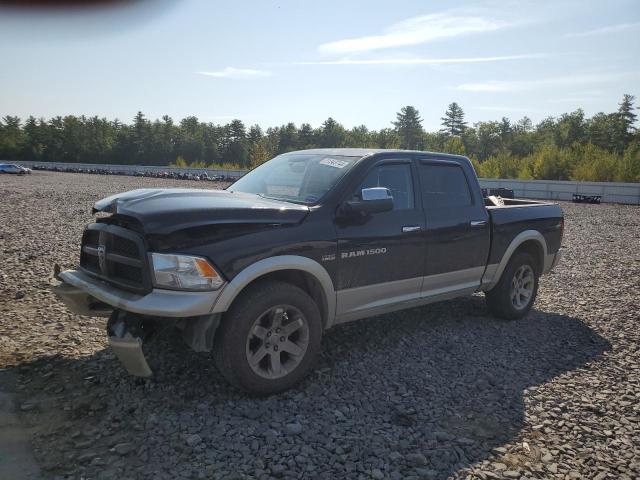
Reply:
x=381, y=256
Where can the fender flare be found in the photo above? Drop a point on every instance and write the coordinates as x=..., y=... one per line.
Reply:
x=490, y=279
x=274, y=264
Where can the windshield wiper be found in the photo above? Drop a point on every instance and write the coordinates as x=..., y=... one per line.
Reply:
x=281, y=199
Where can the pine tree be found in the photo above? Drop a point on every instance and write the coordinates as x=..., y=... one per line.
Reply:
x=453, y=120
x=626, y=119
x=409, y=127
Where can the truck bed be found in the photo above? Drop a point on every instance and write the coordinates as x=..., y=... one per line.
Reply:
x=510, y=217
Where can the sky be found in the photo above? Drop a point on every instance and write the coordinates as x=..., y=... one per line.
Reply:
x=273, y=62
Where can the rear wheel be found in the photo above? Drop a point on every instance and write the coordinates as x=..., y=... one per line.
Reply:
x=269, y=338
x=517, y=288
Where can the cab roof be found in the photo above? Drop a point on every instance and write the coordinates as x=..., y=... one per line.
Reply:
x=363, y=152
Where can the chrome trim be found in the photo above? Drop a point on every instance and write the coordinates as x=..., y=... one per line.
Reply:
x=411, y=228
x=159, y=302
x=375, y=193
x=478, y=223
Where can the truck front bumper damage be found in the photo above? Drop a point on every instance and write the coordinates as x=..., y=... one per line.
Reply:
x=129, y=352
x=86, y=295
x=133, y=318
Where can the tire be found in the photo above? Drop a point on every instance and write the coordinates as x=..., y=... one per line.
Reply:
x=269, y=338
x=504, y=300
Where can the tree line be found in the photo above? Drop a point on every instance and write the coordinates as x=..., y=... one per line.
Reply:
x=604, y=147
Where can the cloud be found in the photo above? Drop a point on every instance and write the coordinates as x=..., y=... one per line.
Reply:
x=232, y=72
x=422, y=61
x=414, y=31
x=604, y=30
x=522, y=85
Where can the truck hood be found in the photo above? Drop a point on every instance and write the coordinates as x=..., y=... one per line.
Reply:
x=164, y=211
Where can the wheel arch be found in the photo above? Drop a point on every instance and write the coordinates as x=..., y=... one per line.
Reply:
x=530, y=241
x=303, y=272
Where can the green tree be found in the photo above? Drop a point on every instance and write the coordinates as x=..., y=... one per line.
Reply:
x=332, y=134
x=237, y=150
x=629, y=167
x=258, y=154
x=453, y=121
x=305, y=136
x=288, y=140
x=489, y=142
x=455, y=146
x=12, y=138
x=593, y=164
x=408, y=126
x=626, y=118
x=386, y=138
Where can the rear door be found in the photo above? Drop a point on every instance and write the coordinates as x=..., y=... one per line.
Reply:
x=381, y=258
x=458, y=236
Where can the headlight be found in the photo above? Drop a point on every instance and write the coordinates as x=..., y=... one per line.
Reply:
x=184, y=272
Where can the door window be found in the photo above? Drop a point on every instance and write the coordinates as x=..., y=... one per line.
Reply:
x=444, y=186
x=397, y=178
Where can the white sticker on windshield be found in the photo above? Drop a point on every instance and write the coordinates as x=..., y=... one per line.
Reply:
x=332, y=162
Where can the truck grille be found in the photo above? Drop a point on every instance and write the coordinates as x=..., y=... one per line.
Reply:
x=117, y=256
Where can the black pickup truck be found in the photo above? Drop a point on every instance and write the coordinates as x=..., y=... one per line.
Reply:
x=257, y=272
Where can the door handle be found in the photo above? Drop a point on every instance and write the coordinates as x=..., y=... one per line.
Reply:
x=411, y=228
x=478, y=223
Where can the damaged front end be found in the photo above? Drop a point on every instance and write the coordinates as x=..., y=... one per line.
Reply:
x=127, y=333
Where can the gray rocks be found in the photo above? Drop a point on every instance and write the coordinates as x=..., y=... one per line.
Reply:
x=294, y=428
x=124, y=448
x=193, y=440
x=416, y=459
x=377, y=474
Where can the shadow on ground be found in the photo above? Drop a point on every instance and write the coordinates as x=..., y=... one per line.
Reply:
x=425, y=392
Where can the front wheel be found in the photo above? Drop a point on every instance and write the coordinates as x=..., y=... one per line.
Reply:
x=516, y=290
x=269, y=338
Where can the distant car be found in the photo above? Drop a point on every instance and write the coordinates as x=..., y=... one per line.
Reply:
x=13, y=168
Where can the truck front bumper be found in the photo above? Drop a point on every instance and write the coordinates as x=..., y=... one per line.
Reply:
x=86, y=295
x=131, y=313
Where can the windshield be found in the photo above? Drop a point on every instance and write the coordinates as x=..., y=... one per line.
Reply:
x=296, y=177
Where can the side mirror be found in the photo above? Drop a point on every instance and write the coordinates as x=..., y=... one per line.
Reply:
x=374, y=200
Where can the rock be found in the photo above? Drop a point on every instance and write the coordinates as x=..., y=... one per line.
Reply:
x=426, y=474
x=124, y=448
x=294, y=428
x=27, y=407
x=193, y=440
x=377, y=474
x=546, y=458
x=393, y=456
x=416, y=459
x=553, y=468
x=278, y=470
x=19, y=295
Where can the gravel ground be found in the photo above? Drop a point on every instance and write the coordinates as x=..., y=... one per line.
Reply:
x=434, y=392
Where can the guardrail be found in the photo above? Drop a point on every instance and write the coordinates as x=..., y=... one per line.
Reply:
x=141, y=168
x=610, y=192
